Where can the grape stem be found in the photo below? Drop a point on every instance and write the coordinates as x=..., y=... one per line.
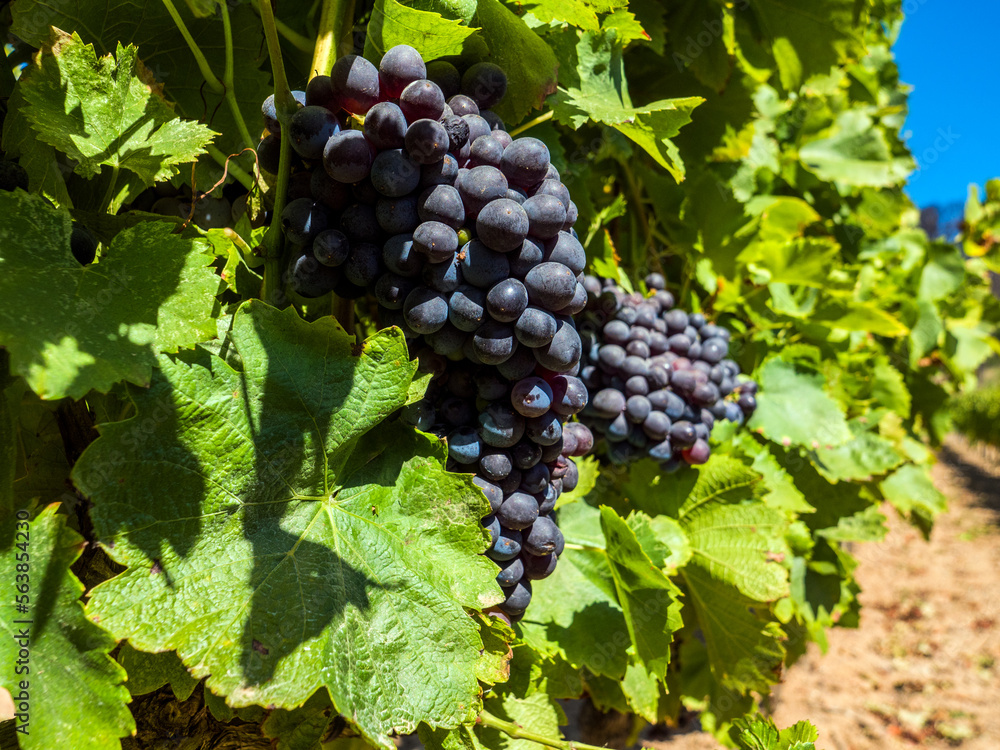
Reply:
x=531, y=123
x=296, y=39
x=516, y=731
x=109, y=194
x=336, y=17
x=213, y=82
x=285, y=105
x=227, y=79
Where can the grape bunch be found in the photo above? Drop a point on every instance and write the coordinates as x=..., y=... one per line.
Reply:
x=660, y=376
x=407, y=188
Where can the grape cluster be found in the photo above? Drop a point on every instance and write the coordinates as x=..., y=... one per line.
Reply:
x=660, y=376
x=464, y=236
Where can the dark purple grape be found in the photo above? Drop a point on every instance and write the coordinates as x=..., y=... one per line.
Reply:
x=355, y=84
x=422, y=99
x=484, y=83
x=401, y=65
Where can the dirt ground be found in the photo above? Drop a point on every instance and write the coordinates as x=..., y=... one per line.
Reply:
x=923, y=670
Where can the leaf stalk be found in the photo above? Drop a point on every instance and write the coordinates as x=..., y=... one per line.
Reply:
x=517, y=732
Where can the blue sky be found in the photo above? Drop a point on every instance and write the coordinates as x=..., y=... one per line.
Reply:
x=947, y=52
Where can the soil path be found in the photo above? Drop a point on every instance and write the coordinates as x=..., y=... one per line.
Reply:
x=923, y=670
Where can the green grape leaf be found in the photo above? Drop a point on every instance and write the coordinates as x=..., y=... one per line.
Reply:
x=108, y=112
x=579, y=13
x=793, y=408
x=662, y=539
x=855, y=152
x=429, y=33
x=889, y=388
x=148, y=672
x=807, y=39
x=642, y=691
x=89, y=711
x=760, y=733
x=626, y=26
x=45, y=174
x=280, y=544
x=913, y=494
x=804, y=261
x=648, y=598
x=147, y=25
x=153, y=292
x=598, y=94
x=460, y=738
x=865, y=456
x=301, y=728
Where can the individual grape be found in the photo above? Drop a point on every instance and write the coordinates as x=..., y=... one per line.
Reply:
x=518, y=511
x=482, y=266
x=420, y=415
x=656, y=425
x=524, y=258
x=422, y=99
x=397, y=215
x=608, y=403
x=363, y=266
x=506, y=300
x=436, y=241
x=489, y=386
x=467, y=308
x=495, y=464
x=394, y=174
x=506, y=547
x=391, y=291
x=347, y=156
x=520, y=365
x=309, y=130
x=268, y=155
x=502, y=225
x=618, y=429
x=637, y=408
x=584, y=438
x=484, y=83
x=479, y=187
x=536, y=327
x=463, y=105
x=400, y=257
x=511, y=572
x=698, y=453
x=336, y=196
x=747, y=403
x=570, y=395
x=400, y=66
x=310, y=278
x=446, y=76
x=525, y=162
x=531, y=397
x=425, y=310
x=578, y=304
x=500, y=426
x=682, y=433
x=526, y=454
x=464, y=445
x=490, y=490
x=385, y=126
x=444, y=172
x=494, y=342
x=442, y=203
x=546, y=215
x=566, y=249
x=545, y=430
x=563, y=352
x=319, y=93
x=572, y=477
x=458, y=132
x=540, y=538
x=355, y=83
x=550, y=285
x=269, y=112
x=447, y=341
x=443, y=277
x=426, y=141
x=535, y=480
x=303, y=219
x=572, y=214
x=537, y=568
x=555, y=188
x=331, y=248
x=485, y=150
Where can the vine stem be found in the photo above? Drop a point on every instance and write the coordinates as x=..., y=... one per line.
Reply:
x=214, y=83
x=299, y=41
x=227, y=79
x=531, y=123
x=516, y=731
x=109, y=194
x=285, y=105
x=336, y=15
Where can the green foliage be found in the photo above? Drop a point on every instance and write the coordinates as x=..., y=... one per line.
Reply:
x=257, y=517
